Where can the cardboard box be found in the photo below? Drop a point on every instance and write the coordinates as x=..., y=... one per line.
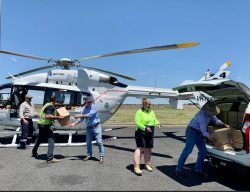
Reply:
x=226, y=139
x=237, y=139
x=222, y=147
x=223, y=136
x=211, y=129
x=62, y=111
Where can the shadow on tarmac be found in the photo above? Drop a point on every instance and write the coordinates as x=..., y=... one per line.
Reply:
x=173, y=136
x=133, y=150
x=224, y=176
x=44, y=157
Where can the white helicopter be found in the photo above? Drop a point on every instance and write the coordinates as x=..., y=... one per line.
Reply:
x=70, y=86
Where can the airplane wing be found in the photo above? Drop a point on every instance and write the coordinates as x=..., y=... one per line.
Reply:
x=175, y=98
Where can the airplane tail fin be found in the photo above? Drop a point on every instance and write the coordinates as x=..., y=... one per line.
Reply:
x=221, y=74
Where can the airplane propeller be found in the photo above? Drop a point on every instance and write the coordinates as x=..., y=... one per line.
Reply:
x=67, y=63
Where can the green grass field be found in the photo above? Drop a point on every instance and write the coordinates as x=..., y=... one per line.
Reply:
x=164, y=113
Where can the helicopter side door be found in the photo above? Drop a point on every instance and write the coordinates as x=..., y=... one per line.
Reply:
x=73, y=101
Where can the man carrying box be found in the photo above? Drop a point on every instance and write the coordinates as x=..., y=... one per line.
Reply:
x=195, y=135
x=47, y=117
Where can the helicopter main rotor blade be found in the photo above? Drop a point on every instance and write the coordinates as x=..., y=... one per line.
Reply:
x=112, y=73
x=156, y=48
x=23, y=55
x=31, y=71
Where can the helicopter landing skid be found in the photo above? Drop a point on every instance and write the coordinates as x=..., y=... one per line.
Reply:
x=68, y=144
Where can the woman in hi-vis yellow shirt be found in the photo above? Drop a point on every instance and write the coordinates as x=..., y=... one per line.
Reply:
x=145, y=121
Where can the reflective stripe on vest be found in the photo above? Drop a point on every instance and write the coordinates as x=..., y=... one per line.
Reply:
x=43, y=120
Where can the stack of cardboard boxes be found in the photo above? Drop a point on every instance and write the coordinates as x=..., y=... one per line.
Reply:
x=226, y=138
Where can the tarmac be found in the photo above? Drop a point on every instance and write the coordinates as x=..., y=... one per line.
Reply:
x=20, y=171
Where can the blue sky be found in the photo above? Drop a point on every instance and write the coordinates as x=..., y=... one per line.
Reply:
x=80, y=28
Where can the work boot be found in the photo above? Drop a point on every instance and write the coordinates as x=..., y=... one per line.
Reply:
x=34, y=154
x=54, y=160
x=148, y=167
x=137, y=171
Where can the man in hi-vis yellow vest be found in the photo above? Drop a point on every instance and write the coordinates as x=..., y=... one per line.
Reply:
x=47, y=117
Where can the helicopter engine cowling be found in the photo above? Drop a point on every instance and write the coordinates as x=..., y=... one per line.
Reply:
x=96, y=77
x=111, y=80
x=108, y=79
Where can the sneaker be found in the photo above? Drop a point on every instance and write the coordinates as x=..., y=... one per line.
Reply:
x=148, y=167
x=54, y=160
x=101, y=161
x=137, y=171
x=86, y=158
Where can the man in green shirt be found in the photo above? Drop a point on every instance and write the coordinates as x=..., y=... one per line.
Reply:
x=145, y=121
x=47, y=117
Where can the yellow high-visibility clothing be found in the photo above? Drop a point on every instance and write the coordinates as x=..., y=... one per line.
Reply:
x=145, y=118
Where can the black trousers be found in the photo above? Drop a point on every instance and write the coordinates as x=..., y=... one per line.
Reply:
x=27, y=131
x=45, y=134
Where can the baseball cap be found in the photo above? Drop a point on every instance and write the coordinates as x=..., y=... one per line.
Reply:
x=88, y=99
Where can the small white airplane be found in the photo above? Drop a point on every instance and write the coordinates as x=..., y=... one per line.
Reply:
x=207, y=80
